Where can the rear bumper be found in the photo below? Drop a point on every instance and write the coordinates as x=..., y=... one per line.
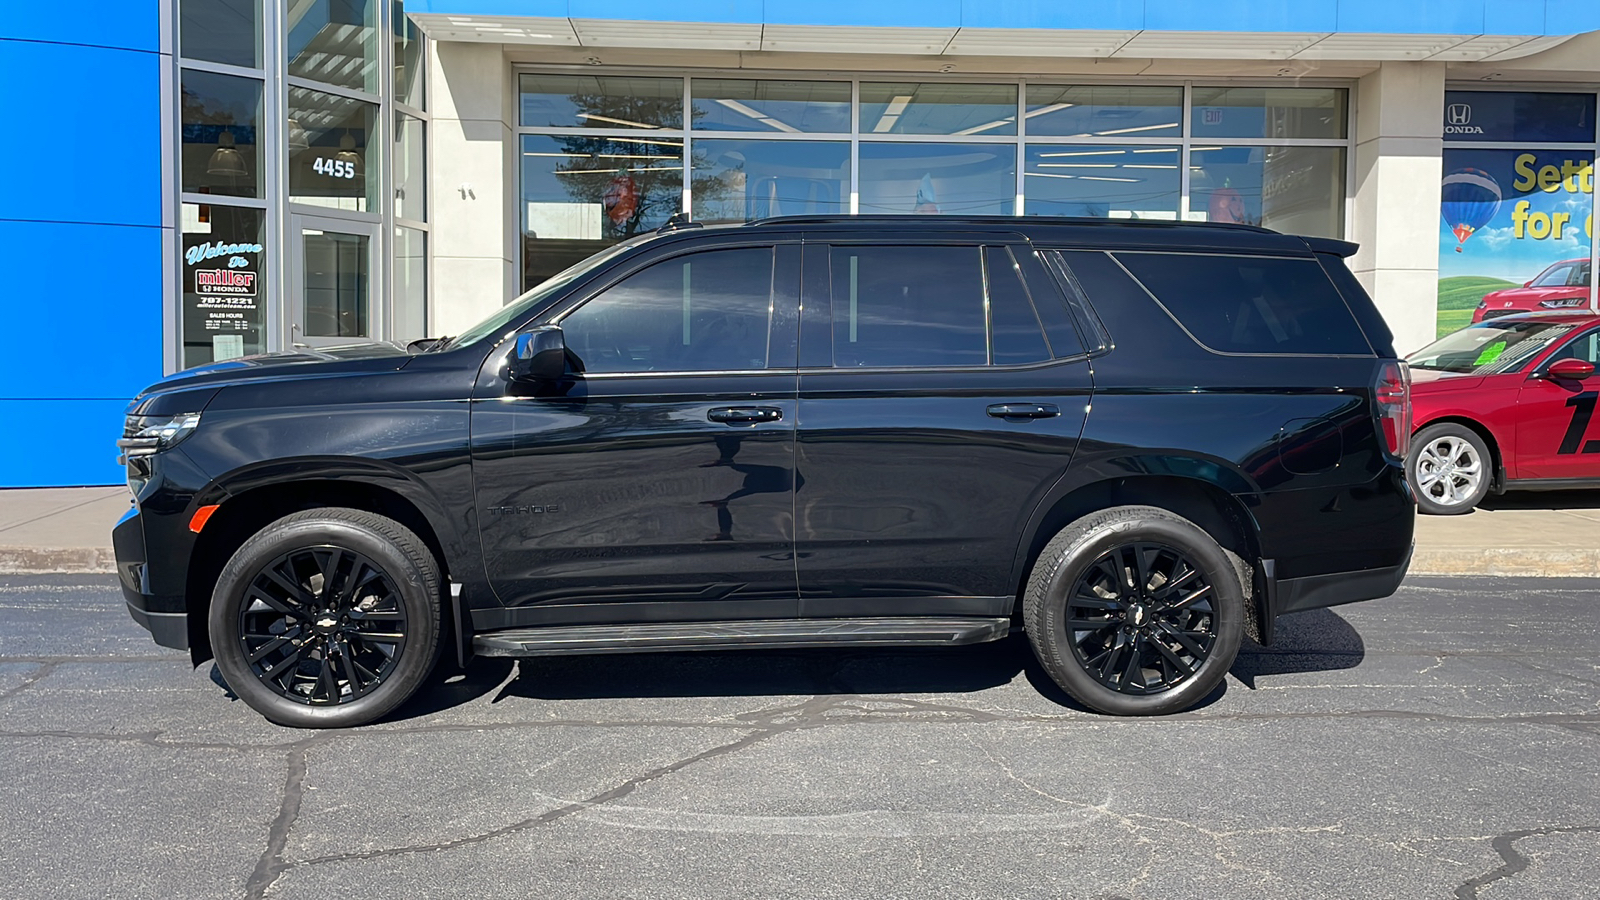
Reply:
x=163, y=616
x=1292, y=595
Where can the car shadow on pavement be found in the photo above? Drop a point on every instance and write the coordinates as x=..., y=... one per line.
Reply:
x=1315, y=641
x=1542, y=500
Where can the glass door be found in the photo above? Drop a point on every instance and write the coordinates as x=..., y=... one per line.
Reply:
x=333, y=289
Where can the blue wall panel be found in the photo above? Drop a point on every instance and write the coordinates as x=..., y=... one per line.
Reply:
x=1110, y=15
x=80, y=232
x=1532, y=17
x=81, y=310
x=96, y=158
x=82, y=449
x=131, y=24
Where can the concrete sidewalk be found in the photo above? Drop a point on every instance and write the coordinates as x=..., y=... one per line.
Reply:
x=1557, y=533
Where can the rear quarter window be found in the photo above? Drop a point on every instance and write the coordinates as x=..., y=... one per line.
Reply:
x=1250, y=304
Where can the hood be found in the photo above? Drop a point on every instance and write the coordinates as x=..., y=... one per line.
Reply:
x=1529, y=297
x=1432, y=381
x=306, y=362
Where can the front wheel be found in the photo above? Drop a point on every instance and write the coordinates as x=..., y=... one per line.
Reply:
x=1135, y=611
x=327, y=618
x=1448, y=468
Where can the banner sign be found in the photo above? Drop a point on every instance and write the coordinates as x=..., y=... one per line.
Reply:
x=1515, y=225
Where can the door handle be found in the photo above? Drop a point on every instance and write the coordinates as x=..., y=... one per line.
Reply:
x=744, y=415
x=1016, y=411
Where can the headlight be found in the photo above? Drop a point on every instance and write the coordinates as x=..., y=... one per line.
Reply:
x=147, y=435
x=1565, y=303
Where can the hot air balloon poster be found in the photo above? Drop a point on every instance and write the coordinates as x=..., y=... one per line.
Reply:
x=1504, y=217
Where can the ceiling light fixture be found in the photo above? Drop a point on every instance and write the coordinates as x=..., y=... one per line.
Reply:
x=616, y=121
x=225, y=160
x=891, y=113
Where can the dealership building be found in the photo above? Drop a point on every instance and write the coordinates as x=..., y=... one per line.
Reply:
x=250, y=176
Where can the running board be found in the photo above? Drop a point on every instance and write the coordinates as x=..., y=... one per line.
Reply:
x=745, y=635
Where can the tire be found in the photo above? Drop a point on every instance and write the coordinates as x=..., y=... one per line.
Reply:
x=327, y=618
x=1183, y=628
x=1449, y=468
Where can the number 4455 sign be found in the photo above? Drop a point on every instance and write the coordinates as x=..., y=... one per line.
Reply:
x=334, y=168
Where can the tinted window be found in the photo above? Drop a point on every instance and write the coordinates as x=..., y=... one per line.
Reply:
x=1014, y=328
x=1239, y=304
x=696, y=313
x=907, y=306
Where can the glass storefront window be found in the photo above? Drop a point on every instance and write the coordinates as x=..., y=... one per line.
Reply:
x=410, y=170
x=1256, y=112
x=221, y=31
x=1519, y=116
x=1131, y=182
x=224, y=300
x=785, y=106
x=410, y=288
x=334, y=41
x=601, y=101
x=1296, y=190
x=1104, y=111
x=582, y=193
x=741, y=180
x=330, y=163
x=938, y=108
x=409, y=71
x=953, y=179
x=220, y=116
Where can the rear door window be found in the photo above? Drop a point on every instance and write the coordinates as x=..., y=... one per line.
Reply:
x=1250, y=304
x=908, y=306
x=1014, y=329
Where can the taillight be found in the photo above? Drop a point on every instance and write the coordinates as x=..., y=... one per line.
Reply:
x=1394, y=406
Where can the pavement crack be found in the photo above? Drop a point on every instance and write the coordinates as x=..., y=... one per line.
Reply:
x=560, y=812
x=1515, y=863
x=271, y=864
x=33, y=678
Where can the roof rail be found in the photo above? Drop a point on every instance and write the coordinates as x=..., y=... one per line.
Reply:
x=1012, y=221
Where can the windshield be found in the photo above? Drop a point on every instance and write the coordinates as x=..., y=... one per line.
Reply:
x=1490, y=348
x=1567, y=274
x=516, y=308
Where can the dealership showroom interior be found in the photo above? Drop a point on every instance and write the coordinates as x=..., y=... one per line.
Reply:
x=268, y=175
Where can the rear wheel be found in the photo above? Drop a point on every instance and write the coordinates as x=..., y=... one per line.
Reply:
x=327, y=618
x=1135, y=611
x=1448, y=468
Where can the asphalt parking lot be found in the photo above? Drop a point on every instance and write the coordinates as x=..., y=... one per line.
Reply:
x=1444, y=742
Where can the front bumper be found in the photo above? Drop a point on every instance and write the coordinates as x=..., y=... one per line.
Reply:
x=163, y=615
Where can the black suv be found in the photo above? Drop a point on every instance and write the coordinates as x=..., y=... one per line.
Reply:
x=1141, y=441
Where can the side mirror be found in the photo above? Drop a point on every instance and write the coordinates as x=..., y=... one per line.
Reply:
x=538, y=356
x=1575, y=369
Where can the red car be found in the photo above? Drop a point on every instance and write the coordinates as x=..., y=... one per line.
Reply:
x=1565, y=285
x=1504, y=405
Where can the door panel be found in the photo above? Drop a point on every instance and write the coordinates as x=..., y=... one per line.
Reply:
x=637, y=494
x=914, y=483
x=1557, y=436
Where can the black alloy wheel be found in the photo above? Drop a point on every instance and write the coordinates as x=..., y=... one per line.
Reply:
x=1140, y=618
x=327, y=618
x=322, y=625
x=1135, y=610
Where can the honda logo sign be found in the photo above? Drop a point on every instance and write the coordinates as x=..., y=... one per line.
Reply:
x=1458, y=119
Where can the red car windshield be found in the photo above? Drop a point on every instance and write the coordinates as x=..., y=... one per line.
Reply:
x=1572, y=273
x=1490, y=348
